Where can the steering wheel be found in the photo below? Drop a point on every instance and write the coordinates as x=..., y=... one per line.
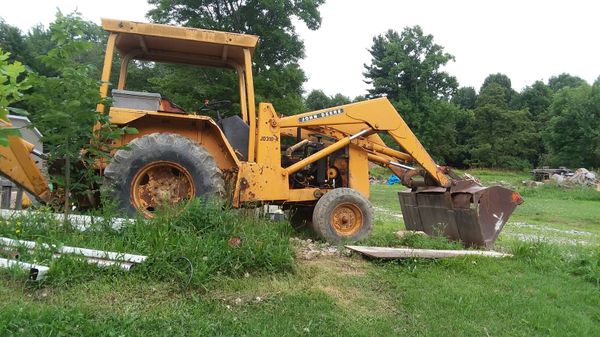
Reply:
x=216, y=105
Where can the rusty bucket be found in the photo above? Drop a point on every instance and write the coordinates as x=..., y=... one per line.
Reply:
x=467, y=212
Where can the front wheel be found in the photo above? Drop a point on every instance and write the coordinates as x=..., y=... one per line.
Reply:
x=162, y=169
x=343, y=214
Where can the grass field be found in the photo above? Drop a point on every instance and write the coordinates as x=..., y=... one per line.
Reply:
x=550, y=287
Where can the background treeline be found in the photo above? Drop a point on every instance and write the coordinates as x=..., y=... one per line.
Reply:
x=556, y=122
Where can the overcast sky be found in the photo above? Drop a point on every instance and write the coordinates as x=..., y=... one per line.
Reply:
x=527, y=40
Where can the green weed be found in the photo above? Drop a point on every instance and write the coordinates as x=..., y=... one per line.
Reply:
x=545, y=289
x=415, y=240
x=587, y=265
x=189, y=246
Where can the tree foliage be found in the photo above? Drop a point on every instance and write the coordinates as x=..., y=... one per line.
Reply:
x=573, y=132
x=13, y=43
x=552, y=123
x=317, y=100
x=565, y=80
x=65, y=109
x=278, y=77
x=501, y=136
x=465, y=97
x=503, y=81
x=13, y=81
x=407, y=68
x=536, y=98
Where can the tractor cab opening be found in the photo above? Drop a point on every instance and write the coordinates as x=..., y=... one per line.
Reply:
x=155, y=43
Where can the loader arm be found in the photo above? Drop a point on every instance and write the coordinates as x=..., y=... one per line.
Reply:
x=380, y=116
x=17, y=165
x=457, y=207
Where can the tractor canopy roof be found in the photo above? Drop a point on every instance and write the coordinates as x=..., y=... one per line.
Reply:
x=171, y=44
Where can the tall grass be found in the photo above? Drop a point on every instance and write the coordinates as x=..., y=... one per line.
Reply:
x=189, y=246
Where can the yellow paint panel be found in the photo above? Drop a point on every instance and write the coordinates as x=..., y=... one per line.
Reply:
x=258, y=182
x=184, y=45
x=304, y=194
x=17, y=165
x=180, y=33
x=268, y=149
x=359, y=170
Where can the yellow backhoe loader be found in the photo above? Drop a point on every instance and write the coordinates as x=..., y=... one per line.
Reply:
x=320, y=172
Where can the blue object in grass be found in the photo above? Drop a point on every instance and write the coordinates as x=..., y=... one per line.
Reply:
x=393, y=179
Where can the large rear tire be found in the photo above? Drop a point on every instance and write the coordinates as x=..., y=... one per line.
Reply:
x=159, y=169
x=343, y=214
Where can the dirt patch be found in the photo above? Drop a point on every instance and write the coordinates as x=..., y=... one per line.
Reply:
x=345, y=280
x=339, y=266
x=310, y=250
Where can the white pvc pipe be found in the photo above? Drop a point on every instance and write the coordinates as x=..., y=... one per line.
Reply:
x=36, y=271
x=91, y=254
x=126, y=266
x=81, y=222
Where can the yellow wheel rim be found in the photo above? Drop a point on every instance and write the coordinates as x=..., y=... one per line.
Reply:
x=161, y=183
x=347, y=219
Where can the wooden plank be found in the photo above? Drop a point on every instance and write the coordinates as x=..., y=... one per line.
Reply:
x=403, y=253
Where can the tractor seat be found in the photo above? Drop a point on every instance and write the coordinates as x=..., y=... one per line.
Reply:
x=236, y=131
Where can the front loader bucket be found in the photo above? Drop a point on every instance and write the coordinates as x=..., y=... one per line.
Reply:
x=17, y=165
x=468, y=212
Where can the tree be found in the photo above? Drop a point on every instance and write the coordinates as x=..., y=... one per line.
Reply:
x=565, y=80
x=464, y=137
x=31, y=47
x=12, y=42
x=339, y=99
x=465, y=97
x=573, y=133
x=536, y=99
x=501, y=137
x=407, y=66
x=503, y=81
x=317, y=100
x=500, y=79
x=359, y=98
x=65, y=111
x=278, y=77
x=407, y=69
x=12, y=84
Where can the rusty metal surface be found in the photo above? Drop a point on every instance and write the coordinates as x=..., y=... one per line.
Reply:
x=402, y=253
x=347, y=219
x=468, y=212
x=159, y=183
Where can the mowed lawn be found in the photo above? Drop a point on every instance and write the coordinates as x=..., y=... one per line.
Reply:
x=549, y=288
